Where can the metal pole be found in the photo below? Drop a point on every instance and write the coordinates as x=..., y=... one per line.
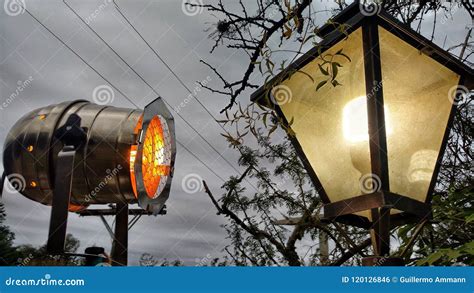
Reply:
x=384, y=232
x=2, y=183
x=60, y=204
x=380, y=233
x=377, y=144
x=120, y=243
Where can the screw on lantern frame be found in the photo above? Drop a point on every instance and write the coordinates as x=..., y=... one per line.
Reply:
x=380, y=202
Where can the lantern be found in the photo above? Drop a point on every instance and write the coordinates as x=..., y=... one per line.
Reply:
x=372, y=121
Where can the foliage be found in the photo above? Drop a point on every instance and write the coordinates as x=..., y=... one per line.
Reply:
x=274, y=189
x=7, y=249
x=449, y=239
x=27, y=255
x=148, y=260
x=268, y=31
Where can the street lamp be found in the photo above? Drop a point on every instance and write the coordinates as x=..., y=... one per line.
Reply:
x=372, y=122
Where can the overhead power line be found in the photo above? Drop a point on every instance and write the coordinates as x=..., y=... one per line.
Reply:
x=180, y=81
x=150, y=86
x=167, y=66
x=79, y=56
x=111, y=84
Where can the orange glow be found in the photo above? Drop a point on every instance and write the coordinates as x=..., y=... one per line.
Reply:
x=29, y=148
x=33, y=184
x=42, y=117
x=75, y=207
x=133, y=155
x=153, y=157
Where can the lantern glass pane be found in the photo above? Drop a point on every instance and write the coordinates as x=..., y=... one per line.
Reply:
x=416, y=93
x=331, y=123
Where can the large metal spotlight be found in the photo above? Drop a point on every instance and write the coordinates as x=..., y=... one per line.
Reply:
x=74, y=154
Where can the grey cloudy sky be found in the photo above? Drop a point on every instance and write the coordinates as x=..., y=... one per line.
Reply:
x=191, y=229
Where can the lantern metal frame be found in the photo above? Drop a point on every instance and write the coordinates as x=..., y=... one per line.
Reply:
x=381, y=201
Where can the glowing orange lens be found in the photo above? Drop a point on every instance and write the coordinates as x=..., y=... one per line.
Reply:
x=153, y=158
x=133, y=155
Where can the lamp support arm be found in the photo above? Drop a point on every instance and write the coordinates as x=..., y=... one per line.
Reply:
x=61, y=196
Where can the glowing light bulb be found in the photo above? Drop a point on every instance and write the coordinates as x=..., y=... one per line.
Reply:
x=355, y=123
x=422, y=165
x=133, y=156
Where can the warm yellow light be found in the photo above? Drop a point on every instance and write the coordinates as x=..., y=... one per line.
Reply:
x=355, y=123
x=154, y=164
x=133, y=156
x=421, y=165
x=153, y=157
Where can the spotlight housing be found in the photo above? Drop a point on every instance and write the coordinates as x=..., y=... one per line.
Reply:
x=122, y=155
